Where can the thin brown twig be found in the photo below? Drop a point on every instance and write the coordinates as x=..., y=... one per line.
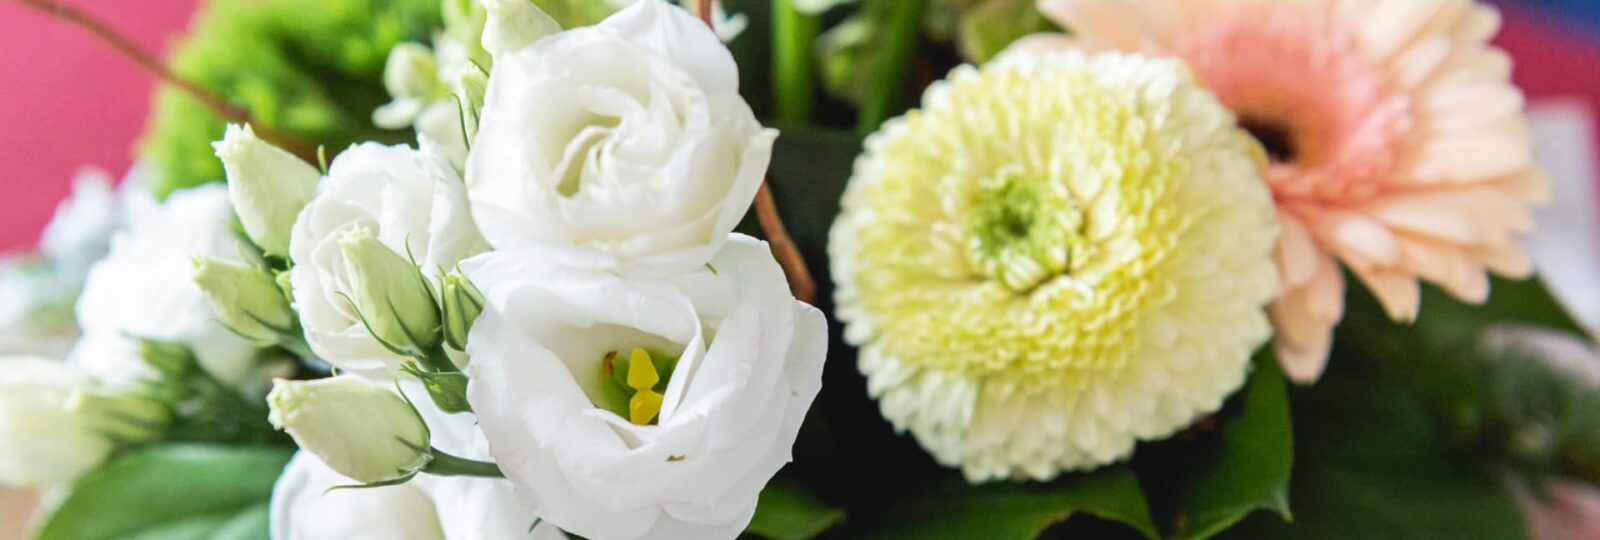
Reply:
x=794, y=266
x=153, y=65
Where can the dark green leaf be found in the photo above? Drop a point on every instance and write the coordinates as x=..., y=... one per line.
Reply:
x=1372, y=464
x=952, y=509
x=172, y=492
x=787, y=511
x=1203, y=482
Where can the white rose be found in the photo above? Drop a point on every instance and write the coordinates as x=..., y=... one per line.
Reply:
x=413, y=201
x=623, y=145
x=749, y=363
x=42, y=441
x=427, y=507
x=143, y=289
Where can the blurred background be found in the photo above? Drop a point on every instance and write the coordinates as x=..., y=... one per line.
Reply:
x=68, y=102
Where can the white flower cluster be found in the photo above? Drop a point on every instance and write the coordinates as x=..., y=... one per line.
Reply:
x=572, y=311
x=78, y=319
x=439, y=90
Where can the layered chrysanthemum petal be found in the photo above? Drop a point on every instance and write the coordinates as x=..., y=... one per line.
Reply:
x=1057, y=256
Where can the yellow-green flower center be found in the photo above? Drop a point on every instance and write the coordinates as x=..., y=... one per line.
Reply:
x=1022, y=233
x=640, y=377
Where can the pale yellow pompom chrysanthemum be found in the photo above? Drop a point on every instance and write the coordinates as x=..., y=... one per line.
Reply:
x=1059, y=255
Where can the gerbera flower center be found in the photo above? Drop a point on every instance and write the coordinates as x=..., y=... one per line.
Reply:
x=1332, y=131
x=1022, y=233
x=1277, y=138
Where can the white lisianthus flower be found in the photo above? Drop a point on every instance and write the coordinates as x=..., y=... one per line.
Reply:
x=623, y=145
x=144, y=290
x=42, y=441
x=606, y=448
x=412, y=201
x=426, y=508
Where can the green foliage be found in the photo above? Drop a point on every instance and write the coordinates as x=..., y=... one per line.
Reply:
x=786, y=511
x=172, y=492
x=950, y=508
x=1372, y=463
x=1204, y=481
x=311, y=68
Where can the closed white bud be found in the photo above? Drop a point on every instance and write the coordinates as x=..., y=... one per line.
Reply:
x=247, y=300
x=411, y=72
x=267, y=185
x=43, y=441
x=514, y=24
x=364, y=431
x=390, y=294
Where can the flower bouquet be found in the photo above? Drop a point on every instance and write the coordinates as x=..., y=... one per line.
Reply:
x=614, y=269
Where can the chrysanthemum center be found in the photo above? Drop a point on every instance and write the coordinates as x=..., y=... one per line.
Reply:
x=1022, y=233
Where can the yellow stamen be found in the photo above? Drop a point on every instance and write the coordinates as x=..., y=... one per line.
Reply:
x=642, y=376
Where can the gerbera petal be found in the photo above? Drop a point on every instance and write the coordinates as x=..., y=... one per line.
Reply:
x=1397, y=291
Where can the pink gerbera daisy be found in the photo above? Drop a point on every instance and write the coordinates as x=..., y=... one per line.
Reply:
x=1398, y=147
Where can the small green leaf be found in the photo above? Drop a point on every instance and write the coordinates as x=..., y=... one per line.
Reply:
x=172, y=492
x=952, y=509
x=786, y=511
x=1202, y=483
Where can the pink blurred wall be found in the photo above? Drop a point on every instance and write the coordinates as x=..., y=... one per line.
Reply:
x=67, y=101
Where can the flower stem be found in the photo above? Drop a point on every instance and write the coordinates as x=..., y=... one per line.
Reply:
x=437, y=360
x=801, y=283
x=888, y=86
x=153, y=65
x=444, y=464
x=794, y=265
x=792, y=35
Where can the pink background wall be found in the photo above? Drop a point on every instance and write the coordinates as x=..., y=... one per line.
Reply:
x=67, y=101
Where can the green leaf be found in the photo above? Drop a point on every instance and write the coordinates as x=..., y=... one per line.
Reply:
x=172, y=492
x=786, y=511
x=952, y=509
x=1373, y=464
x=1202, y=483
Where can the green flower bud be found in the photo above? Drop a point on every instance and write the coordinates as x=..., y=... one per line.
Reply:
x=361, y=430
x=268, y=186
x=248, y=301
x=125, y=418
x=390, y=294
x=988, y=27
x=514, y=24
x=471, y=84
x=447, y=388
x=412, y=72
x=463, y=302
x=173, y=361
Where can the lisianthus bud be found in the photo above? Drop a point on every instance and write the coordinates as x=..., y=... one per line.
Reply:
x=362, y=430
x=268, y=186
x=124, y=417
x=390, y=294
x=514, y=24
x=42, y=441
x=471, y=84
x=411, y=72
x=463, y=302
x=247, y=300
